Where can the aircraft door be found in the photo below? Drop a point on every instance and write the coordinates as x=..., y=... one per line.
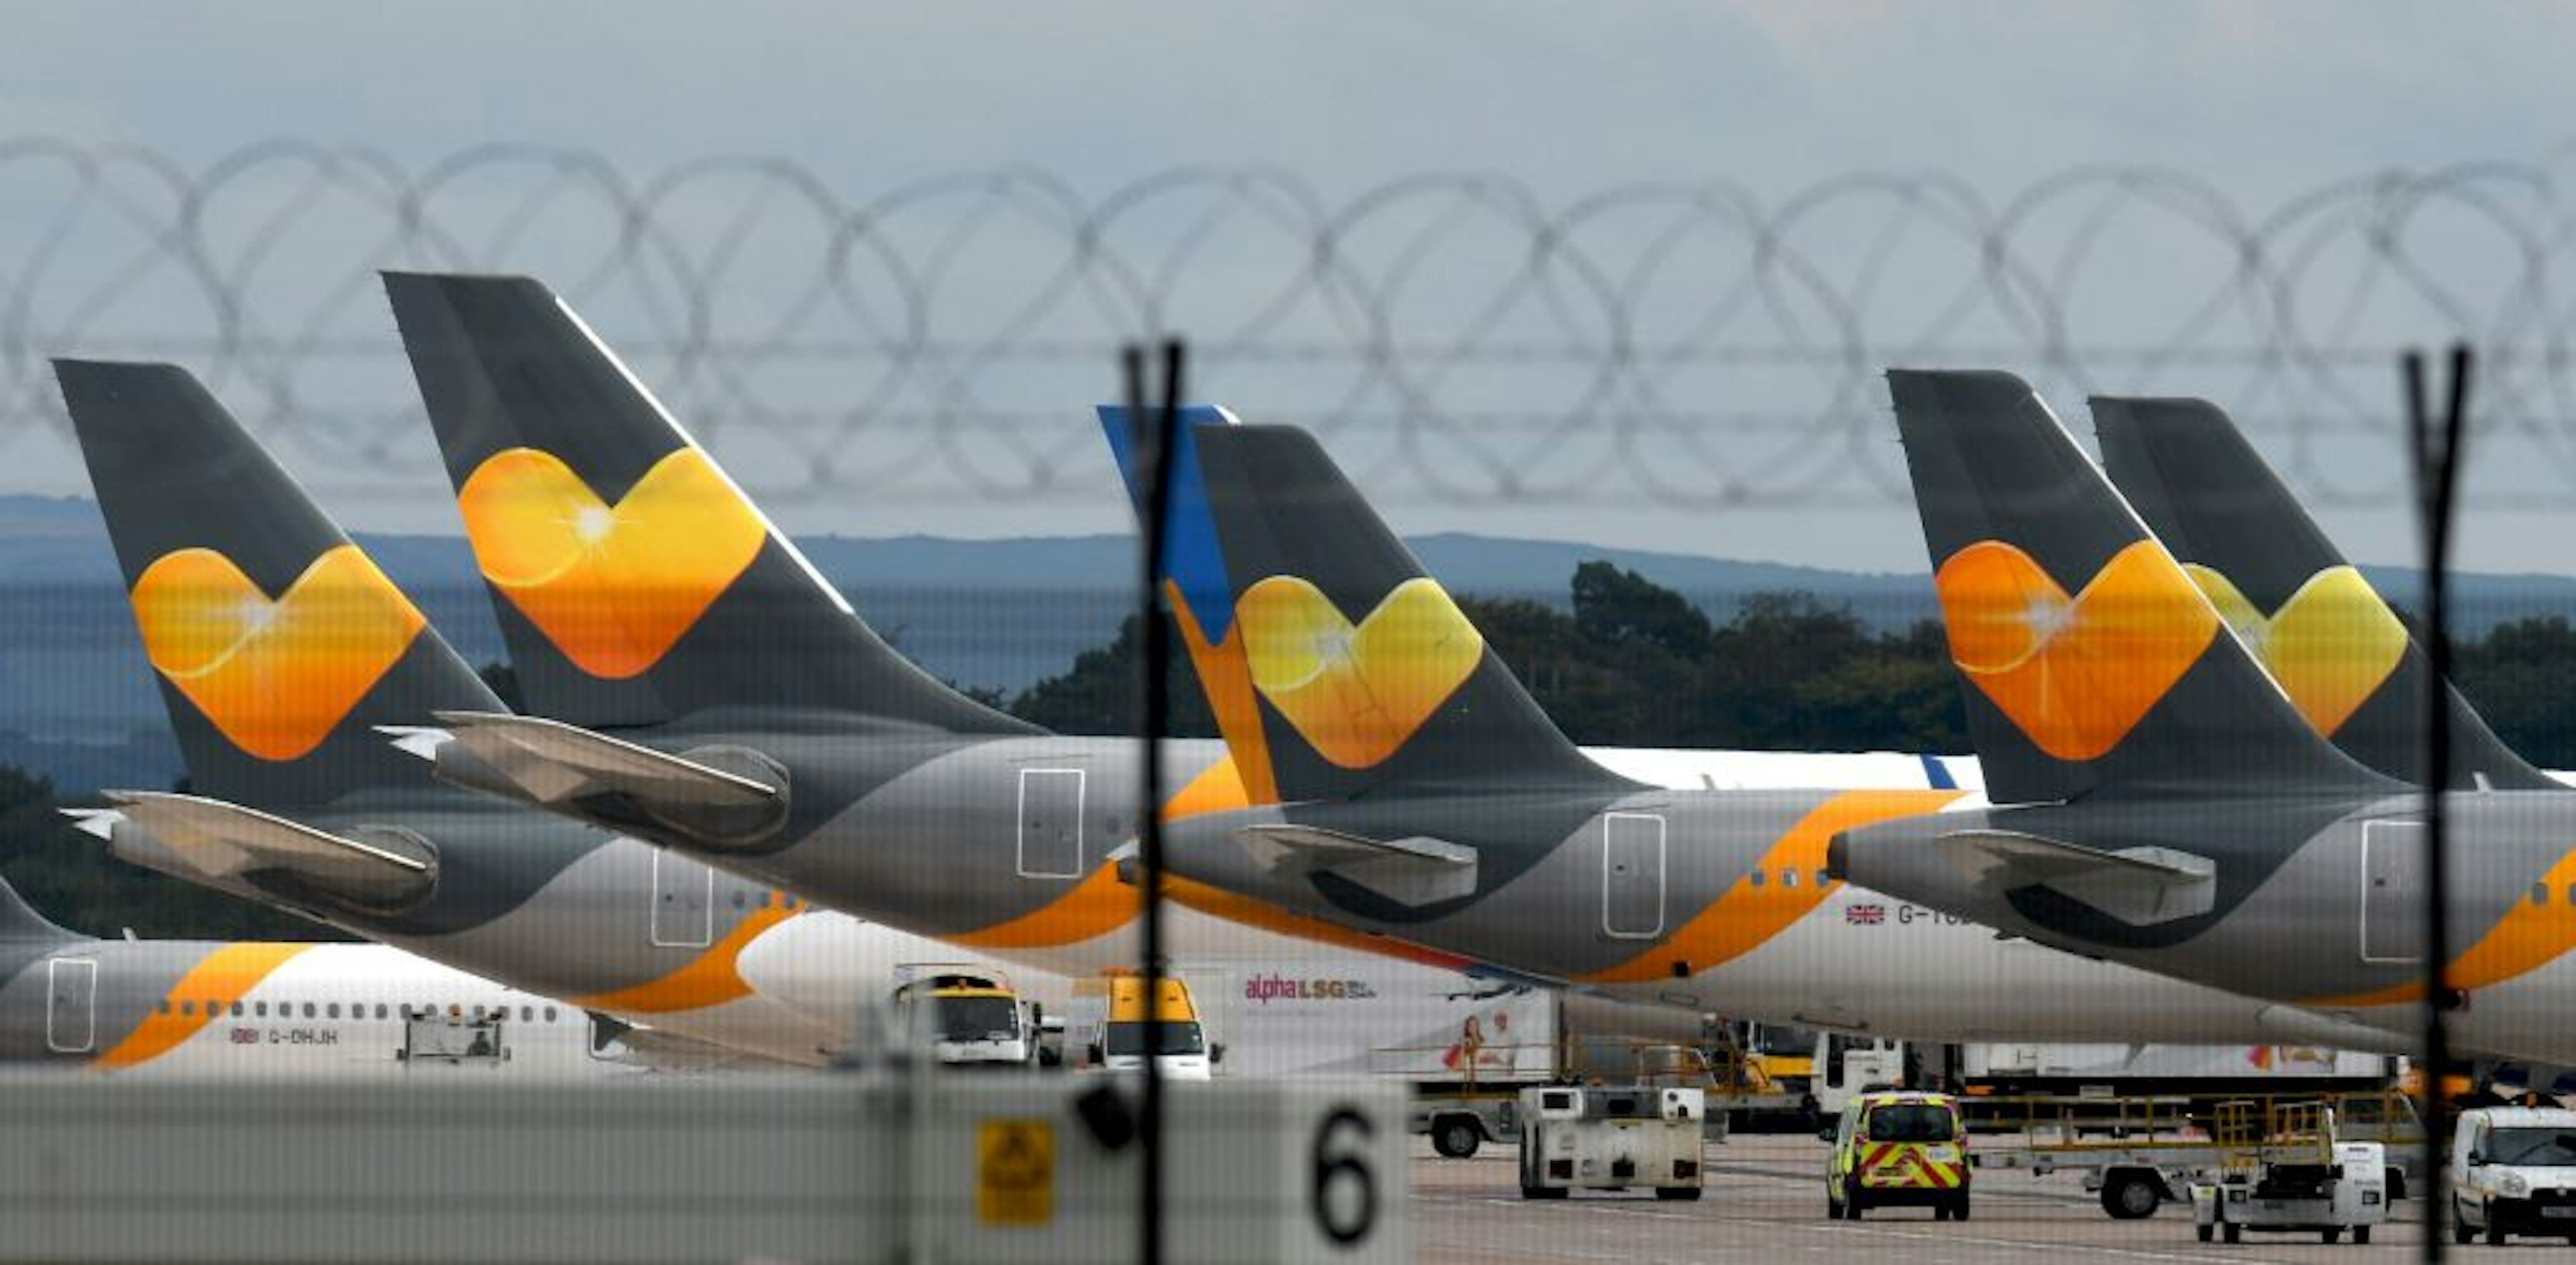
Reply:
x=683, y=901
x=1050, y=844
x=2392, y=891
x=71, y=1005
x=1632, y=875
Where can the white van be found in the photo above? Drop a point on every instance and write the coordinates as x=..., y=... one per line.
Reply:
x=2513, y=1171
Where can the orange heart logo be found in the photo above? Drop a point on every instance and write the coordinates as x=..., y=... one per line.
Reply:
x=2329, y=647
x=1356, y=694
x=273, y=675
x=612, y=586
x=2075, y=674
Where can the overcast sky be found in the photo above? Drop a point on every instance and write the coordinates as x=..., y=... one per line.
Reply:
x=2261, y=101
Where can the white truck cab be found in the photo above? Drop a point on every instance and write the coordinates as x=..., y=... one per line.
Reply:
x=2513, y=1171
x=1118, y=1040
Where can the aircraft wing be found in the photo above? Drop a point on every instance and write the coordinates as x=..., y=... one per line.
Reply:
x=549, y=762
x=1415, y=870
x=221, y=839
x=2138, y=886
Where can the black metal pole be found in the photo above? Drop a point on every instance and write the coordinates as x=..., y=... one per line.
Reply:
x=1151, y=438
x=2433, y=449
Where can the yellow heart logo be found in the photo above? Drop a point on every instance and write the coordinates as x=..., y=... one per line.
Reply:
x=1356, y=694
x=612, y=586
x=274, y=675
x=2330, y=646
x=2074, y=673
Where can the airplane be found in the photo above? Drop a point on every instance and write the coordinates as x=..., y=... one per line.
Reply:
x=1408, y=788
x=280, y=647
x=2154, y=799
x=2323, y=635
x=245, y=1008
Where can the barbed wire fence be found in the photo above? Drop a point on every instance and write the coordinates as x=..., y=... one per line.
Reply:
x=1454, y=337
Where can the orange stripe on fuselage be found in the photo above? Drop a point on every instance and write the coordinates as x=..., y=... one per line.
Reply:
x=221, y=978
x=1745, y=916
x=1100, y=904
x=2527, y=938
x=709, y=979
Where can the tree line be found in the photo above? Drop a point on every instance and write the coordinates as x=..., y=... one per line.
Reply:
x=1625, y=662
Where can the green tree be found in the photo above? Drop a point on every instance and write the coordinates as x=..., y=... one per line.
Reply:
x=1099, y=695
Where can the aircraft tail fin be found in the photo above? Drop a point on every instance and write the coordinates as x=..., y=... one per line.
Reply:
x=2334, y=647
x=277, y=643
x=2091, y=661
x=635, y=582
x=21, y=924
x=1335, y=666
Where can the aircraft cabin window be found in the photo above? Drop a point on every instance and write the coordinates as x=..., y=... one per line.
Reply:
x=187, y=1008
x=1821, y=877
x=165, y=1005
x=738, y=900
x=2540, y=893
x=550, y=1014
x=764, y=899
x=380, y=1010
x=527, y=1014
x=237, y=1010
x=260, y=1009
x=1788, y=878
x=1757, y=878
x=334, y=1011
x=308, y=1010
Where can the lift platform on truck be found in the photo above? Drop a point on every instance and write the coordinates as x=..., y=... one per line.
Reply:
x=2286, y=1171
x=2139, y=1153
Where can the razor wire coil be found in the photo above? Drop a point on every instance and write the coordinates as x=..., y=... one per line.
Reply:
x=1453, y=336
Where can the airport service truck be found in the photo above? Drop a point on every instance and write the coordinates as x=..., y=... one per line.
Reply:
x=967, y=1014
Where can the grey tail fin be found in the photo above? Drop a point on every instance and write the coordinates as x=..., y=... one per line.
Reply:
x=635, y=583
x=2091, y=662
x=2342, y=656
x=278, y=644
x=21, y=924
x=1336, y=667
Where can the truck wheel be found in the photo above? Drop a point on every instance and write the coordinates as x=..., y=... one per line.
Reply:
x=2131, y=1196
x=1543, y=1192
x=1852, y=1208
x=2461, y=1231
x=2361, y=1236
x=2206, y=1232
x=1456, y=1137
x=1959, y=1210
x=2234, y=1233
x=1685, y=1193
x=2331, y=1236
x=2495, y=1234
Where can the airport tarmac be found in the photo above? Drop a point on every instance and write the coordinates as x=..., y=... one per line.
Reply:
x=1765, y=1201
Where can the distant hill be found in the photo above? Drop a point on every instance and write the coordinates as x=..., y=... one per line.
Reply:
x=78, y=704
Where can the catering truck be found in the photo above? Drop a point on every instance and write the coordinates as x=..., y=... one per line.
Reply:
x=968, y=1015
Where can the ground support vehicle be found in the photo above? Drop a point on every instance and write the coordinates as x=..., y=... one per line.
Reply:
x=1595, y=1137
x=1118, y=1029
x=2513, y=1172
x=2140, y=1152
x=1486, y=1103
x=1898, y=1148
x=968, y=1015
x=2286, y=1172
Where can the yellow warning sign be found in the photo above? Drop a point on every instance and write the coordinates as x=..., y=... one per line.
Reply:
x=1015, y=1172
